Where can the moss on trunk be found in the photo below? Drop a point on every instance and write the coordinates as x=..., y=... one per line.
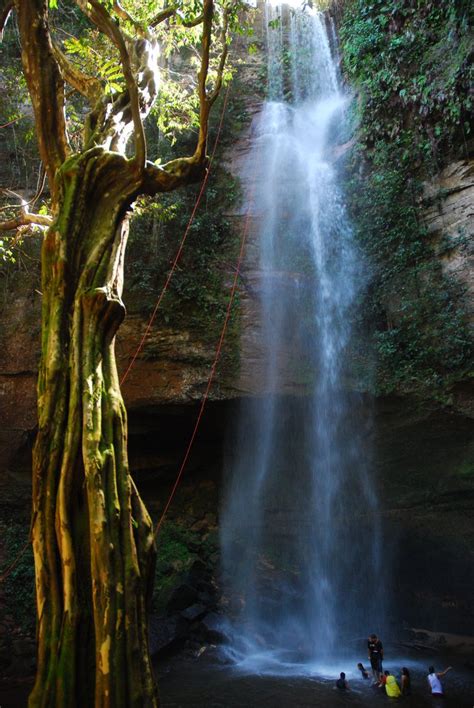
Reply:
x=92, y=537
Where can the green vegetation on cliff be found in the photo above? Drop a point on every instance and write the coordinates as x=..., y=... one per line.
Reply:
x=410, y=63
x=197, y=294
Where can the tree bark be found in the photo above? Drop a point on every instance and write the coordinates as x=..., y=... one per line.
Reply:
x=92, y=537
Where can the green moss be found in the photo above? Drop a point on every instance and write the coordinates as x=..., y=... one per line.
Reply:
x=466, y=468
x=410, y=64
x=175, y=545
x=197, y=296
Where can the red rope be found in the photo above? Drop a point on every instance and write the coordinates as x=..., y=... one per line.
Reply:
x=178, y=253
x=213, y=370
x=13, y=565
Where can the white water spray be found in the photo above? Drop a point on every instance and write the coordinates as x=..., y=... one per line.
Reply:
x=300, y=537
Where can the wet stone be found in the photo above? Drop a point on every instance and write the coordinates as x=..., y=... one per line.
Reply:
x=184, y=596
x=194, y=612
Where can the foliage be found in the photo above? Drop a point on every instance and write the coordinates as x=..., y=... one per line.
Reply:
x=195, y=289
x=178, y=104
x=175, y=557
x=17, y=136
x=198, y=291
x=409, y=62
x=6, y=252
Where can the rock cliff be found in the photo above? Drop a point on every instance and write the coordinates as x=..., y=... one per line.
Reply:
x=423, y=450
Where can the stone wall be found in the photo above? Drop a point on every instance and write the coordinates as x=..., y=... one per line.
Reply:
x=448, y=214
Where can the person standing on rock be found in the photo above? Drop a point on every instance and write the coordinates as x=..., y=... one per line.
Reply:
x=375, y=648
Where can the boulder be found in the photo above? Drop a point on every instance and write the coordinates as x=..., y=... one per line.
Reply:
x=182, y=597
x=167, y=634
x=212, y=628
x=194, y=612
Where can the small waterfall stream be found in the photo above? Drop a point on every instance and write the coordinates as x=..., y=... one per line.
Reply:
x=300, y=537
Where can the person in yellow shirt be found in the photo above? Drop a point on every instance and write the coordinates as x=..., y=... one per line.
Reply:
x=392, y=688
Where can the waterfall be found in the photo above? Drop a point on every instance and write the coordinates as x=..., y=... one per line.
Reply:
x=299, y=529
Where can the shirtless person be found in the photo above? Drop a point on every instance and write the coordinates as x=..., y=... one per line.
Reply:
x=375, y=648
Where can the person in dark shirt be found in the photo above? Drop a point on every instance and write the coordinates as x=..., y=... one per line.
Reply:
x=375, y=649
x=341, y=682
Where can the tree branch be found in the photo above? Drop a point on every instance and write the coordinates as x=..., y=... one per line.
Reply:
x=6, y=8
x=204, y=105
x=12, y=121
x=193, y=23
x=33, y=200
x=86, y=85
x=172, y=11
x=113, y=31
x=174, y=174
x=25, y=219
x=124, y=15
x=163, y=15
x=223, y=58
x=45, y=85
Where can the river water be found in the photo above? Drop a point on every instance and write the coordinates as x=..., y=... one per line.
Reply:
x=203, y=684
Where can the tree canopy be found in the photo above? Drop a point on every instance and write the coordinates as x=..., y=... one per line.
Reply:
x=95, y=70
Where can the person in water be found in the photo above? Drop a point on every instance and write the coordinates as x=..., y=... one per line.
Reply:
x=375, y=648
x=434, y=680
x=363, y=671
x=391, y=686
x=341, y=682
x=405, y=682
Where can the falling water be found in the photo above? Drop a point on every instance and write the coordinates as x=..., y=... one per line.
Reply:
x=300, y=540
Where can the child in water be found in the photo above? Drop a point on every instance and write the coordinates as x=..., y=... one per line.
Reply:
x=341, y=682
x=364, y=672
x=406, y=682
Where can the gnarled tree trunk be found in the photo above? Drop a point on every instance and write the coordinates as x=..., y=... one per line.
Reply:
x=92, y=537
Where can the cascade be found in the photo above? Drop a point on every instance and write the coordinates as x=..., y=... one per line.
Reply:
x=301, y=540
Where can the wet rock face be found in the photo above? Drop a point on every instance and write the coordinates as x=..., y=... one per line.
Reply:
x=448, y=214
x=19, y=354
x=424, y=464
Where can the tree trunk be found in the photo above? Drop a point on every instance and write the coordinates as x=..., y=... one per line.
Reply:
x=92, y=536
